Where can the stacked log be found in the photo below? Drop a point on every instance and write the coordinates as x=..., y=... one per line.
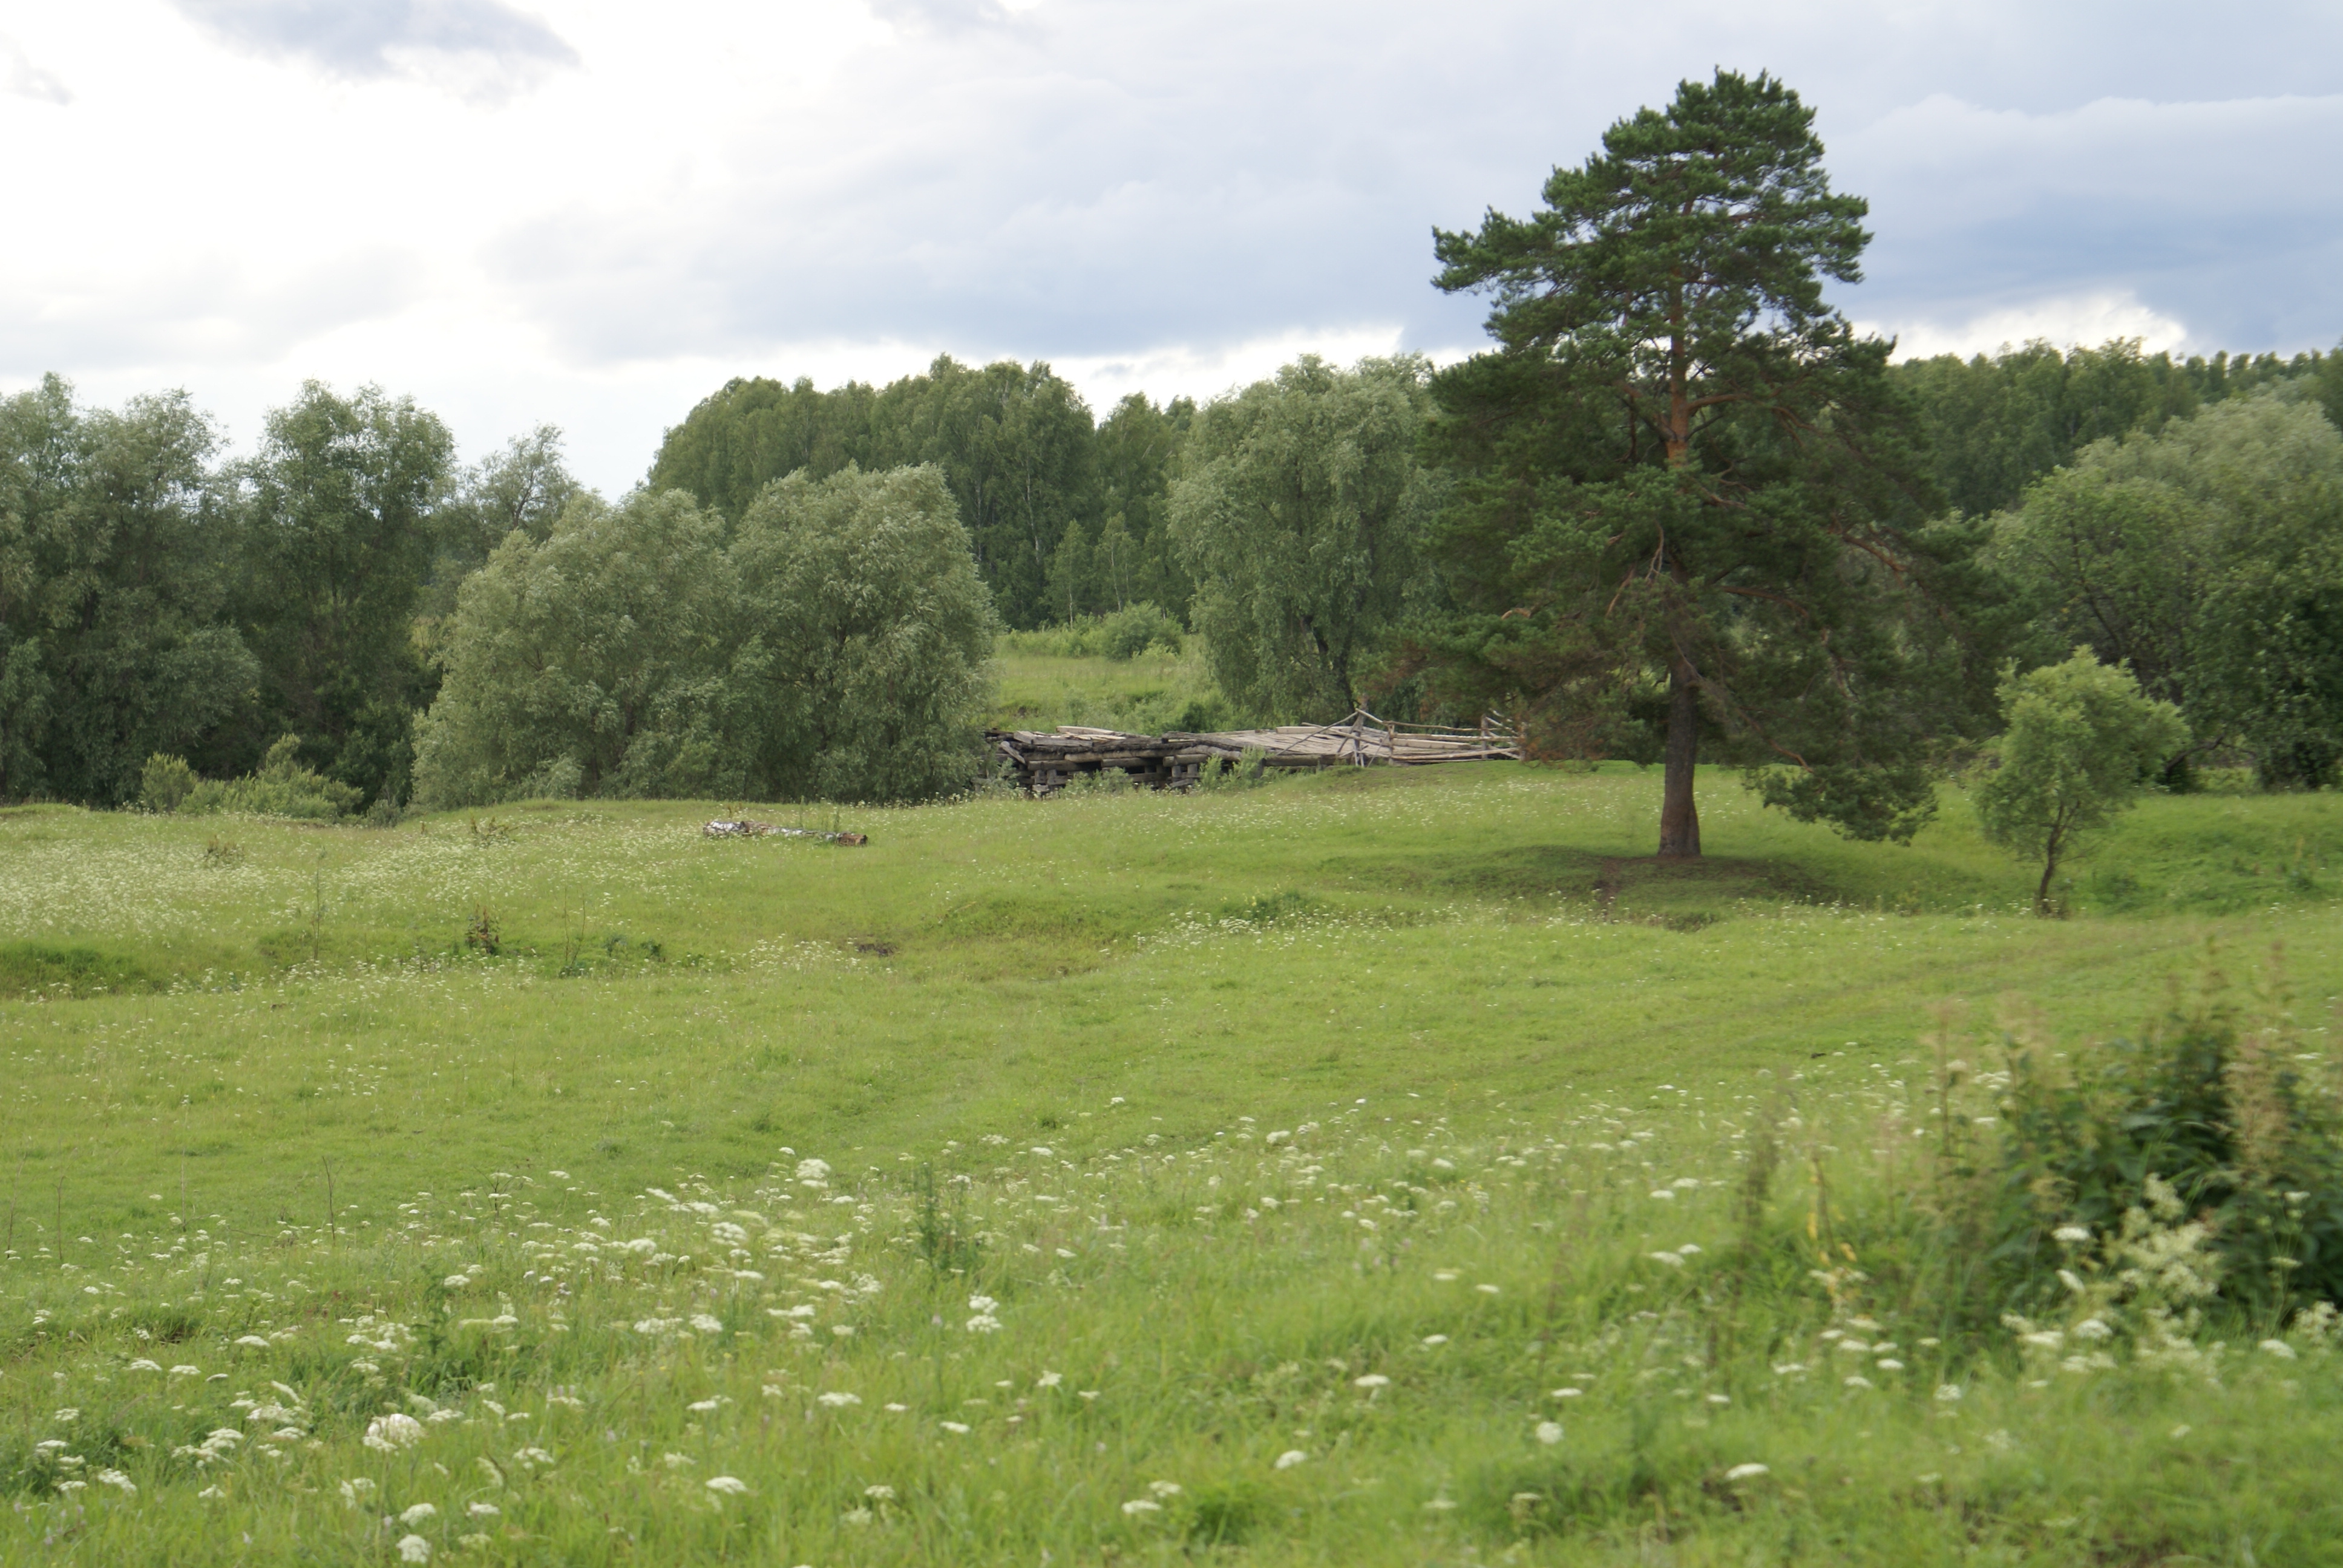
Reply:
x=1045, y=762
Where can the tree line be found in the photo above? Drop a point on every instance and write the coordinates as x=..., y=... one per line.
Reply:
x=1679, y=511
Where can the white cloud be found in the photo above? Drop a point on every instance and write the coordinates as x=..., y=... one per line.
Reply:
x=24, y=77
x=2088, y=319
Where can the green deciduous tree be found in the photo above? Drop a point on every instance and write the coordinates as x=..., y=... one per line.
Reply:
x=2209, y=554
x=1300, y=512
x=1692, y=508
x=606, y=659
x=754, y=430
x=876, y=633
x=114, y=560
x=1138, y=447
x=2081, y=741
x=834, y=645
x=1015, y=443
x=339, y=513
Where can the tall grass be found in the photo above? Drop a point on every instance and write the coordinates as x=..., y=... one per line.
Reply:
x=1688, y=1319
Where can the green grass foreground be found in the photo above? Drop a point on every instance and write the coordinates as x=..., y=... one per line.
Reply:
x=1033, y=1184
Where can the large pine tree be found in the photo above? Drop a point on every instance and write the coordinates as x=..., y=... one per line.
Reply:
x=1692, y=512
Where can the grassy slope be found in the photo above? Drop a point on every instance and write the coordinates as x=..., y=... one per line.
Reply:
x=1485, y=946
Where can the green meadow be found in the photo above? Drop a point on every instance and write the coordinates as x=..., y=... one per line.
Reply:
x=1272, y=1175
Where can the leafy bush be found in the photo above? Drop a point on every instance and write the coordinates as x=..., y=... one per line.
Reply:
x=1134, y=629
x=2202, y=1160
x=281, y=787
x=1123, y=634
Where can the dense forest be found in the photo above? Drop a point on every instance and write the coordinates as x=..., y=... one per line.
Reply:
x=1679, y=511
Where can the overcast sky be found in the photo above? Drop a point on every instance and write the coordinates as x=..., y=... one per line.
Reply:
x=592, y=213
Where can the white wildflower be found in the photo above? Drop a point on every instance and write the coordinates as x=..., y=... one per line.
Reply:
x=1372, y=1381
x=115, y=1478
x=2093, y=1329
x=414, y=1549
x=454, y=1282
x=1549, y=1433
x=1746, y=1472
x=1164, y=1488
x=957, y=1428
x=1141, y=1505
x=837, y=1398
x=484, y=1511
x=393, y=1431
x=702, y=1323
x=2278, y=1348
x=1292, y=1457
x=1948, y=1393
x=729, y=1485
x=420, y=1514
x=2073, y=1235
x=1672, y=1259
x=1433, y=1341
x=1048, y=1380
x=1857, y=1382
x=357, y=1491
x=143, y=1364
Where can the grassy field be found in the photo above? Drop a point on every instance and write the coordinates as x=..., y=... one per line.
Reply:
x=1035, y=1183
x=1151, y=693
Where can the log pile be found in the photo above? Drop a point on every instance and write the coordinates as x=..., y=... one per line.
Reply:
x=1044, y=761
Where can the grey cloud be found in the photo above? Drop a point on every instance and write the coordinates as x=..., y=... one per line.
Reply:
x=2217, y=214
x=1111, y=175
x=20, y=75
x=366, y=38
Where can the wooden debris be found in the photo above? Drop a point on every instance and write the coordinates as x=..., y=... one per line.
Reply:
x=744, y=828
x=1045, y=762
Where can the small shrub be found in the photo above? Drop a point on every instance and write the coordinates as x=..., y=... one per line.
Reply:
x=2212, y=1117
x=481, y=936
x=165, y=783
x=281, y=787
x=1134, y=629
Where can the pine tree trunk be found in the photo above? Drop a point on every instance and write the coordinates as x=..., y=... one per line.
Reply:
x=1679, y=819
